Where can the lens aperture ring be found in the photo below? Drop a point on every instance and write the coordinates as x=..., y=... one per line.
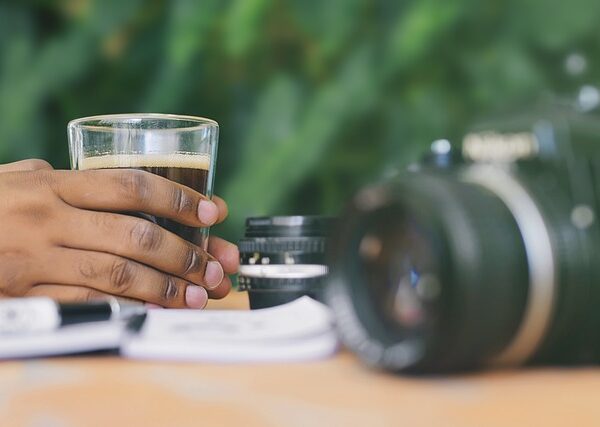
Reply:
x=283, y=244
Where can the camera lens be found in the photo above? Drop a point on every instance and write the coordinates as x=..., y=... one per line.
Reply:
x=283, y=258
x=441, y=272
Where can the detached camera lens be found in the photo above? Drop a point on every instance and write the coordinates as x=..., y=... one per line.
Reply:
x=283, y=258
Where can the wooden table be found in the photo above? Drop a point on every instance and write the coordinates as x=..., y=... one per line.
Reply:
x=108, y=391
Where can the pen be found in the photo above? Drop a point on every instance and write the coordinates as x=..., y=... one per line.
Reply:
x=40, y=314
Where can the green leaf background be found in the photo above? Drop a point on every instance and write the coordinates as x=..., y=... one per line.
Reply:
x=314, y=98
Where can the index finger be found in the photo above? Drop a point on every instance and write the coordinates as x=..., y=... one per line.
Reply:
x=130, y=190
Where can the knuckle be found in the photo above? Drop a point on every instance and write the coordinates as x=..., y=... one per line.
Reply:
x=87, y=269
x=145, y=235
x=170, y=290
x=38, y=179
x=181, y=203
x=37, y=164
x=193, y=261
x=100, y=220
x=88, y=295
x=121, y=275
x=44, y=178
x=135, y=184
x=12, y=281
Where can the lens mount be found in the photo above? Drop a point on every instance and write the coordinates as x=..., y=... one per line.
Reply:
x=540, y=258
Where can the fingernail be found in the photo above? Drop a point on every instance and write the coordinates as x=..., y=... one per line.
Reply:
x=195, y=296
x=208, y=212
x=213, y=274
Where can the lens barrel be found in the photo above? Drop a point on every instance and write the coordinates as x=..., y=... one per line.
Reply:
x=283, y=258
x=429, y=274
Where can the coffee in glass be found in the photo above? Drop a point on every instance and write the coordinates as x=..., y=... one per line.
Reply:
x=179, y=148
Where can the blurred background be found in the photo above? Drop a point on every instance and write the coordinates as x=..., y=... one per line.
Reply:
x=314, y=98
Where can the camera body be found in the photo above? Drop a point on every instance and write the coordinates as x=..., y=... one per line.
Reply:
x=485, y=256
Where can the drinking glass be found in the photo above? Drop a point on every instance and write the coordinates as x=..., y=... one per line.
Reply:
x=180, y=148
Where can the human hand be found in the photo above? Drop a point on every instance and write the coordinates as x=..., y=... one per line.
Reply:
x=60, y=237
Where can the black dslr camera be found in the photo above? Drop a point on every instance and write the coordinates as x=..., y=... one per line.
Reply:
x=484, y=255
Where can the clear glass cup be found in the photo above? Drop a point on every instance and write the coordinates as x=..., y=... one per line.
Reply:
x=180, y=148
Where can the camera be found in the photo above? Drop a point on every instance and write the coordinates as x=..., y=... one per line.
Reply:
x=487, y=253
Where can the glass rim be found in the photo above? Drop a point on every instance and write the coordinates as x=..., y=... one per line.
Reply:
x=200, y=122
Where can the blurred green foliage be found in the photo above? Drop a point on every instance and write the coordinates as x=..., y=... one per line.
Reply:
x=314, y=98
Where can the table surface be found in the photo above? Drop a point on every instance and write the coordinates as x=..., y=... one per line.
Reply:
x=103, y=391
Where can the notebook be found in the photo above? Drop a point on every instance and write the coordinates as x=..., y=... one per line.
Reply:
x=297, y=331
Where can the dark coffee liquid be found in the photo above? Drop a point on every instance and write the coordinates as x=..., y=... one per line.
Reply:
x=190, y=170
x=196, y=179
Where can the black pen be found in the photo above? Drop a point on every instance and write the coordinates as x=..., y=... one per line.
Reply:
x=40, y=314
